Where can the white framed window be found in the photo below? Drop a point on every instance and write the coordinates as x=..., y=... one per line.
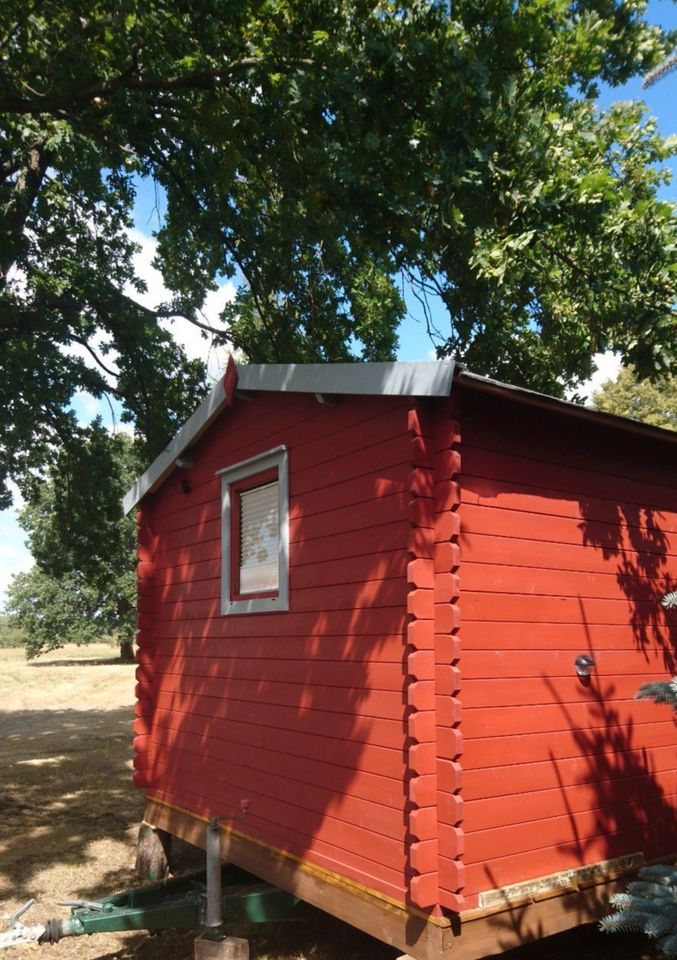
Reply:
x=255, y=534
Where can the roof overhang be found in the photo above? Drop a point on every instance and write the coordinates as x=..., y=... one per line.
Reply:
x=424, y=379
x=544, y=402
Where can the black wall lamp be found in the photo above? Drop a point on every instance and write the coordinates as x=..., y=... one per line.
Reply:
x=185, y=461
x=584, y=665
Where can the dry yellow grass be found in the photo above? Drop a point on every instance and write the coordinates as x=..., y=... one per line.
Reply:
x=69, y=818
x=69, y=815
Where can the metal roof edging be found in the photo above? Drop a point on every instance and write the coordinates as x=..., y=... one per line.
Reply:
x=545, y=402
x=163, y=464
x=429, y=378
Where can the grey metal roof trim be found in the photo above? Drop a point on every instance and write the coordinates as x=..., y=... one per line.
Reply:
x=164, y=463
x=567, y=407
x=422, y=379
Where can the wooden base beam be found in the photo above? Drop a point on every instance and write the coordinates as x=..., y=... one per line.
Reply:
x=420, y=936
x=410, y=930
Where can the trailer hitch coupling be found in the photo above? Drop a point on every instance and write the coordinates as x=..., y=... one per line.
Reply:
x=177, y=903
x=221, y=894
x=18, y=933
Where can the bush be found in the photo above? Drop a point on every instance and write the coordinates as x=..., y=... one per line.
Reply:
x=10, y=636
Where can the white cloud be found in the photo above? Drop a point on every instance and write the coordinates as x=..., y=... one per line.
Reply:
x=14, y=554
x=608, y=366
x=195, y=342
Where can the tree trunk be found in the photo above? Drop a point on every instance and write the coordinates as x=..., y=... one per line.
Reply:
x=152, y=852
x=127, y=650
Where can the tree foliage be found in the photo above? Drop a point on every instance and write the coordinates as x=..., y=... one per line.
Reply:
x=649, y=906
x=54, y=611
x=627, y=396
x=84, y=579
x=322, y=154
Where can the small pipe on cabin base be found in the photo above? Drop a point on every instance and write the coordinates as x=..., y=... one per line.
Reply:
x=214, y=917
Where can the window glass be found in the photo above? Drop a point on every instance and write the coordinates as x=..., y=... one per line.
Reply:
x=259, y=546
x=255, y=534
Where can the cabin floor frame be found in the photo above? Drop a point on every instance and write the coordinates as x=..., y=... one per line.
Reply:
x=471, y=935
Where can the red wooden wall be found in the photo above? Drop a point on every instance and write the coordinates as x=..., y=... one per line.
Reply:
x=345, y=721
x=568, y=542
x=301, y=712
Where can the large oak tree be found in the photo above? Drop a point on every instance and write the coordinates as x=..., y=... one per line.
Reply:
x=320, y=152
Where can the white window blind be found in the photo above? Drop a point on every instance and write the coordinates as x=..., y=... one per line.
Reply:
x=259, y=538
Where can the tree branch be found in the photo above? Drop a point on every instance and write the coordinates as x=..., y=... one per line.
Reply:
x=19, y=207
x=100, y=91
x=95, y=357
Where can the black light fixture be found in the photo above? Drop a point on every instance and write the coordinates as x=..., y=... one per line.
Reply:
x=185, y=461
x=584, y=666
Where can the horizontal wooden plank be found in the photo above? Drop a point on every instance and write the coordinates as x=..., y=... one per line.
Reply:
x=364, y=784
x=353, y=648
x=343, y=752
x=355, y=843
x=631, y=496
x=181, y=693
x=579, y=636
x=609, y=664
x=498, y=751
x=391, y=535
x=360, y=869
x=359, y=517
x=516, y=550
x=598, y=796
x=354, y=723
x=264, y=788
x=350, y=493
x=500, y=871
x=557, y=609
x=228, y=671
x=553, y=773
x=388, y=597
x=630, y=715
x=560, y=439
x=549, y=528
x=297, y=423
x=624, y=817
x=535, y=581
x=372, y=566
x=541, y=691
x=387, y=620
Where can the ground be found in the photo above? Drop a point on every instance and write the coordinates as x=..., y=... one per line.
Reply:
x=69, y=818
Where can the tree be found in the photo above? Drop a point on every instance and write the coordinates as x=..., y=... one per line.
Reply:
x=322, y=154
x=55, y=611
x=83, y=583
x=627, y=396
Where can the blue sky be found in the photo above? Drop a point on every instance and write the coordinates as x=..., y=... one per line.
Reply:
x=661, y=100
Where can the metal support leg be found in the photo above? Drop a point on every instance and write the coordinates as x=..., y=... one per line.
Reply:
x=214, y=918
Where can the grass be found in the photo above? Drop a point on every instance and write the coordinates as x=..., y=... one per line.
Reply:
x=69, y=818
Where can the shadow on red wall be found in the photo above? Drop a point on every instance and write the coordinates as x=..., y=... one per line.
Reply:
x=301, y=713
x=632, y=537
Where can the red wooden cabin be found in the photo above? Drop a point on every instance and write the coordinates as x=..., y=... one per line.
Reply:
x=362, y=593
